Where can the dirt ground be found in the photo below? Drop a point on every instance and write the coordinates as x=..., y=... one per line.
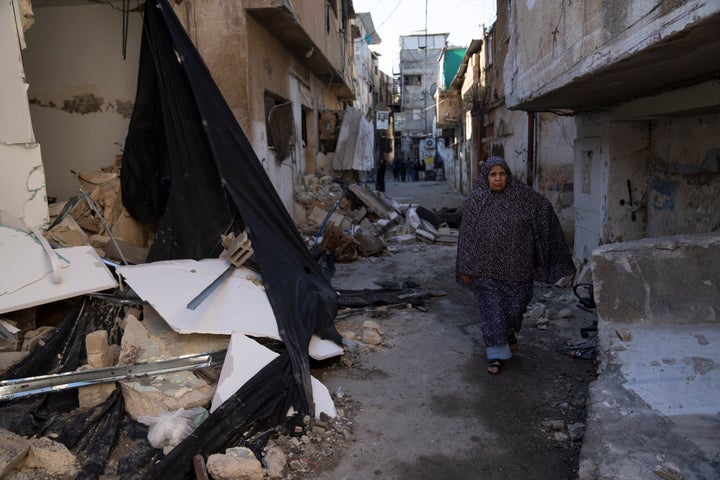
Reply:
x=420, y=405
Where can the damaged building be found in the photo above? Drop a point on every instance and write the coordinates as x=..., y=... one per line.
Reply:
x=145, y=197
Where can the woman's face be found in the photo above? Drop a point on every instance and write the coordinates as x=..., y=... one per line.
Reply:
x=497, y=178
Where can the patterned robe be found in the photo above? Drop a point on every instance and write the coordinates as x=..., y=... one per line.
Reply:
x=507, y=240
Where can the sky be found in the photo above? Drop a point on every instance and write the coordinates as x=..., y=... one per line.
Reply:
x=462, y=19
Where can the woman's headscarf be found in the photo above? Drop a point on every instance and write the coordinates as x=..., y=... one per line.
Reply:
x=511, y=235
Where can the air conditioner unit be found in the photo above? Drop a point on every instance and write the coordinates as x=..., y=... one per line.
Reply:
x=430, y=142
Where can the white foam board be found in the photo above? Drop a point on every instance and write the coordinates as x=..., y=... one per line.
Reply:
x=27, y=277
x=245, y=357
x=239, y=304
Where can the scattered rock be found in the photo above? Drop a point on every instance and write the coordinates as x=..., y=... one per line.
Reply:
x=237, y=463
x=542, y=323
x=623, y=334
x=275, y=462
x=668, y=471
x=52, y=457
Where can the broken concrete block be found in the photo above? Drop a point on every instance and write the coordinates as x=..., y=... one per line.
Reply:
x=275, y=462
x=52, y=457
x=369, y=245
x=372, y=325
x=371, y=336
x=623, y=334
x=428, y=227
x=424, y=235
x=235, y=464
x=98, y=349
x=68, y=233
x=340, y=220
x=668, y=471
x=8, y=359
x=317, y=215
x=13, y=452
x=93, y=395
x=151, y=395
x=35, y=337
x=136, y=346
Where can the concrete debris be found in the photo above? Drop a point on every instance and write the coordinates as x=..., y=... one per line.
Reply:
x=275, y=461
x=352, y=221
x=52, y=457
x=237, y=463
x=668, y=471
x=623, y=334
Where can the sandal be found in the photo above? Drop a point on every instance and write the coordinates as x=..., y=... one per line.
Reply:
x=512, y=341
x=495, y=366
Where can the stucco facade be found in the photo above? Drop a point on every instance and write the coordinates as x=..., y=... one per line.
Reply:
x=81, y=70
x=640, y=82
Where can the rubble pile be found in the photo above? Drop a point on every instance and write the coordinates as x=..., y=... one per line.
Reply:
x=350, y=220
x=97, y=217
x=101, y=337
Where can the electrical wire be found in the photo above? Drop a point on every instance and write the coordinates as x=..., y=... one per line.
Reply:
x=125, y=26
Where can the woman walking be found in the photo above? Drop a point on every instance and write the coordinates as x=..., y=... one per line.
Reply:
x=509, y=237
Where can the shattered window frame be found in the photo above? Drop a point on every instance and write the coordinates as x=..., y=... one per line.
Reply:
x=271, y=100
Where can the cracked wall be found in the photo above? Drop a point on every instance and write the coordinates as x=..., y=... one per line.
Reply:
x=22, y=184
x=81, y=90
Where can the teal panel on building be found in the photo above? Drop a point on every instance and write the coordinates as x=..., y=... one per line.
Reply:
x=453, y=59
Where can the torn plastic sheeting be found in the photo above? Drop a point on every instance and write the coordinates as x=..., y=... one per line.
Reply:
x=172, y=141
x=355, y=144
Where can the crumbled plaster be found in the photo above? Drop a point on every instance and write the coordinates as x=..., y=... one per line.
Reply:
x=86, y=103
x=124, y=108
x=27, y=15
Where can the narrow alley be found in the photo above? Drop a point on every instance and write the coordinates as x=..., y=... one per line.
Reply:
x=423, y=406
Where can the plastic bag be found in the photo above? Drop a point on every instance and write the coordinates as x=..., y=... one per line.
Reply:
x=169, y=428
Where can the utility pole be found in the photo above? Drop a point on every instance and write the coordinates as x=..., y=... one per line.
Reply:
x=425, y=69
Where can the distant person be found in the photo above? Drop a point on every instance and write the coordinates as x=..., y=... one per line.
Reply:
x=396, y=170
x=509, y=237
x=439, y=166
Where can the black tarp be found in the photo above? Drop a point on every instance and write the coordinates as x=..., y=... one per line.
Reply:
x=188, y=165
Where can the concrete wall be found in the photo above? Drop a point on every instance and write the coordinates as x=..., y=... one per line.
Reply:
x=660, y=281
x=554, y=169
x=81, y=90
x=662, y=175
x=555, y=43
x=684, y=183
